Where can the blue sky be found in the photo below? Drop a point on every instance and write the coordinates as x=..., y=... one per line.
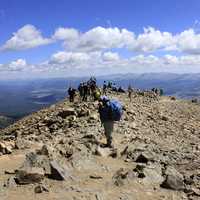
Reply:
x=176, y=51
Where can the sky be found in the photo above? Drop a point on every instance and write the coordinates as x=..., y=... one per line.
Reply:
x=52, y=38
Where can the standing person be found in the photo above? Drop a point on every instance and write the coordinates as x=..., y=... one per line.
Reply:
x=104, y=88
x=130, y=91
x=85, y=91
x=161, y=92
x=71, y=93
x=81, y=91
x=110, y=111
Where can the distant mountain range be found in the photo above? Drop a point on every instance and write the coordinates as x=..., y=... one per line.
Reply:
x=21, y=97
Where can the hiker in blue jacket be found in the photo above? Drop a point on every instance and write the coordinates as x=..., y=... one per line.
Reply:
x=110, y=111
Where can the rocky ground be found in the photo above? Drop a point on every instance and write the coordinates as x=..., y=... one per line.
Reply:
x=57, y=153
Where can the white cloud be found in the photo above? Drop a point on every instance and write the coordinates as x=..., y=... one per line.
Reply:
x=98, y=48
x=26, y=37
x=111, y=60
x=152, y=40
x=110, y=56
x=144, y=60
x=96, y=39
x=189, y=42
x=17, y=65
x=170, y=59
x=84, y=63
x=69, y=57
x=66, y=34
x=105, y=39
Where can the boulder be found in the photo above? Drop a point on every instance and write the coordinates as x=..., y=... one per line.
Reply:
x=58, y=172
x=40, y=189
x=67, y=112
x=2, y=148
x=173, y=180
x=40, y=161
x=120, y=177
x=45, y=151
x=83, y=112
x=94, y=116
x=10, y=183
x=29, y=175
x=82, y=161
x=6, y=147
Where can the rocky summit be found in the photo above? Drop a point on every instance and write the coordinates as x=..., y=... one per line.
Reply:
x=58, y=154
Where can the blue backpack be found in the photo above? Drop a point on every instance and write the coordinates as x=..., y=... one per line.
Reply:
x=112, y=111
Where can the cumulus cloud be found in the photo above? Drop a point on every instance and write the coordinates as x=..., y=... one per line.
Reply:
x=69, y=57
x=96, y=39
x=25, y=38
x=189, y=42
x=17, y=65
x=112, y=60
x=84, y=63
x=152, y=40
x=105, y=39
x=98, y=48
x=110, y=56
x=66, y=34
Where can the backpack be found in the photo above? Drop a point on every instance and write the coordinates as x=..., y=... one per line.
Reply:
x=112, y=111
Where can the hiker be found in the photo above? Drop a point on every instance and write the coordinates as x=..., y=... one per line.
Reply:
x=114, y=88
x=130, y=91
x=104, y=88
x=93, y=89
x=109, y=84
x=85, y=91
x=81, y=91
x=96, y=94
x=71, y=93
x=161, y=92
x=110, y=111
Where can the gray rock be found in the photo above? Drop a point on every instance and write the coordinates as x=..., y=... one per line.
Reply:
x=58, y=172
x=120, y=177
x=173, y=180
x=34, y=160
x=29, y=175
x=67, y=112
x=45, y=151
x=83, y=112
x=40, y=189
x=94, y=116
x=5, y=148
x=10, y=183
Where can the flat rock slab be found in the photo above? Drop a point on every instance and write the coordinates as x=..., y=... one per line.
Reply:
x=29, y=175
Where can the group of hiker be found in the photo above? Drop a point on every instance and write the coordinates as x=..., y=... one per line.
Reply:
x=86, y=90
x=109, y=110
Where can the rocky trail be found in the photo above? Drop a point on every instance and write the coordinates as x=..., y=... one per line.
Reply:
x=57, y=153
